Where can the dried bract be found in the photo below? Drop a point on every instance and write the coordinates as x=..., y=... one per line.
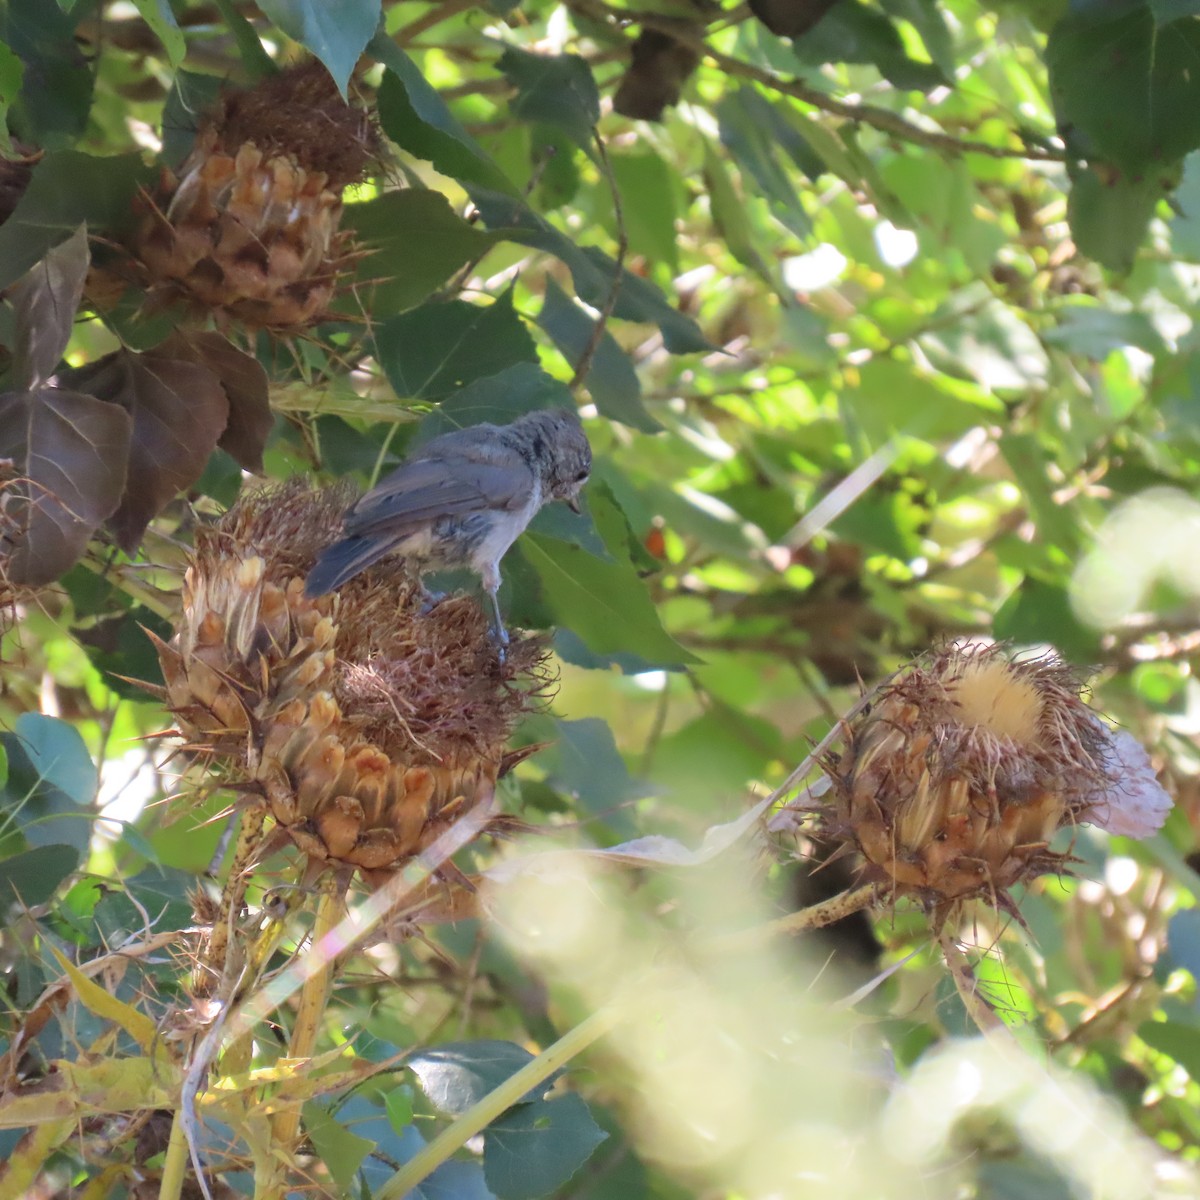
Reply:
x=957, y=777
x=362, y=722
x=249, y=225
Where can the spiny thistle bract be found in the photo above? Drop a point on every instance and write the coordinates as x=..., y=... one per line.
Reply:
x=248, y=226
x=364, y=724
x=958, y=775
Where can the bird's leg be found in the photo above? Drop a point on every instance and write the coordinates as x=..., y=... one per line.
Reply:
x=429, y=598
x=490, y=576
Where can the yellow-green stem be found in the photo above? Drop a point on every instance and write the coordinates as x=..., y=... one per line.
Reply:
x=211, y=967
x=310, y=1011
x=175, y=1160
x=466, y=1126
x=816, y=916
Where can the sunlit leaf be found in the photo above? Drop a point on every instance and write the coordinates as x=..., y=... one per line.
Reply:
x=337, y=36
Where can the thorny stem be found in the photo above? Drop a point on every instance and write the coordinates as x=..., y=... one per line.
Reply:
x=466, y=1126
x=978, y=1009
x=816, y=916
x=584, y=365
x=211, y=967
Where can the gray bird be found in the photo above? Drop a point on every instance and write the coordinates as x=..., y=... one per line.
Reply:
x=461, y=500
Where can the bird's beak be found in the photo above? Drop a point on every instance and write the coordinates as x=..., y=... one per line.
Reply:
x=573, y=505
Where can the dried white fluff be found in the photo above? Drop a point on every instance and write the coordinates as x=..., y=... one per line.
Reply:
x=1134, y=803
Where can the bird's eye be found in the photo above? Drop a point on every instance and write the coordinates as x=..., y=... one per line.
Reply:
x=582, y=477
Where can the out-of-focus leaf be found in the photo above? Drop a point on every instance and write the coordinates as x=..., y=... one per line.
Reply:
x=336, y=34
x=158, y=15
x=340, y=1150
x=179, y=410
x=714, y=755
x=790, y=18
x=1041, y=612
x=1176, y=1040
x=1109, y=212
x=12, y=71
x=1028, y=462
x=648, y=189
x=1086, y=327
x=67, y=190
x=33, y=877
x=414, y=115
x=192, y=98
x=611, y=379
x=754, y=134
x=56, y=89
x=45, y=301
x=456, y=1075
x=51, y=783
x=995, y=347
x=729, y=216
x=417, y=241
x=434, y=350
x=1123, y=88
x=72, y=451
x=399, y=1105
x=533, y=1149
x=557, y=89
x=856, y=33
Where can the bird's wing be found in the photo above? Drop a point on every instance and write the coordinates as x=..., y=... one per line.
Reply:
x=453, y=482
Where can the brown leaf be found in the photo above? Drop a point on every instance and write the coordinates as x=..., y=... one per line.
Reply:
x=45, y=300
x=71, y=452
x=179, y=410
x=245, y=383
x=790, y=18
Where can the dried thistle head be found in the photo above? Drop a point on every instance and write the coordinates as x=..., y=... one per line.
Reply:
x=364, y=723
x=248, y=228
x=957, y=777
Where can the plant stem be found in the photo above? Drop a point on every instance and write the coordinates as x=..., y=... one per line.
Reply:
x=314, y=995
x=211, y=967
x=175, y=1160
x=466, y=1126
x=816, y=916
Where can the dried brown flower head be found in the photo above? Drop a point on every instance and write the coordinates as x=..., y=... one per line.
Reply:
x=958, y=775
x=363, y=723
x=248, y=227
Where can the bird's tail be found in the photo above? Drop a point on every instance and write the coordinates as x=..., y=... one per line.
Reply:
x=342, y=561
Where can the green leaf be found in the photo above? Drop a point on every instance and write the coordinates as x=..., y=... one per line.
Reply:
x=415, y=117
x=648, y=188
x=158, y=15
x=1029, y=464
x=729, y=216
x=501, y=398
x=12, y=72
x=416, y=243
x=1176, y=1040
x=457, y=1075
x=852, y=32
x=1086, y=327
x=611, y=379
x=339, y=1149
x=51, y=783
x=51, y=110
x=1039, y=612
x=557, y=89
x=399, y=1105
x=1109, y=214
x=33, y=877
x=1124, y=88
x=603, y=603
x=336, y=33
x=533, y=1149
x=436, y=349
x=592, y=270
x=69, y=189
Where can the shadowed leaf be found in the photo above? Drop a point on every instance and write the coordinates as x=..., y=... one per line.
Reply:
x=45, y=301
x=179, y=410
x=245, y=385
x=71, y=452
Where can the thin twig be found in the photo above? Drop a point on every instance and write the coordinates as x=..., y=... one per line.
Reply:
x=816, y=916
x=584, y=365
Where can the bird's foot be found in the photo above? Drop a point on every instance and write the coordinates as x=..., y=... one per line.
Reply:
x=498, y=632
x=429, y=600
